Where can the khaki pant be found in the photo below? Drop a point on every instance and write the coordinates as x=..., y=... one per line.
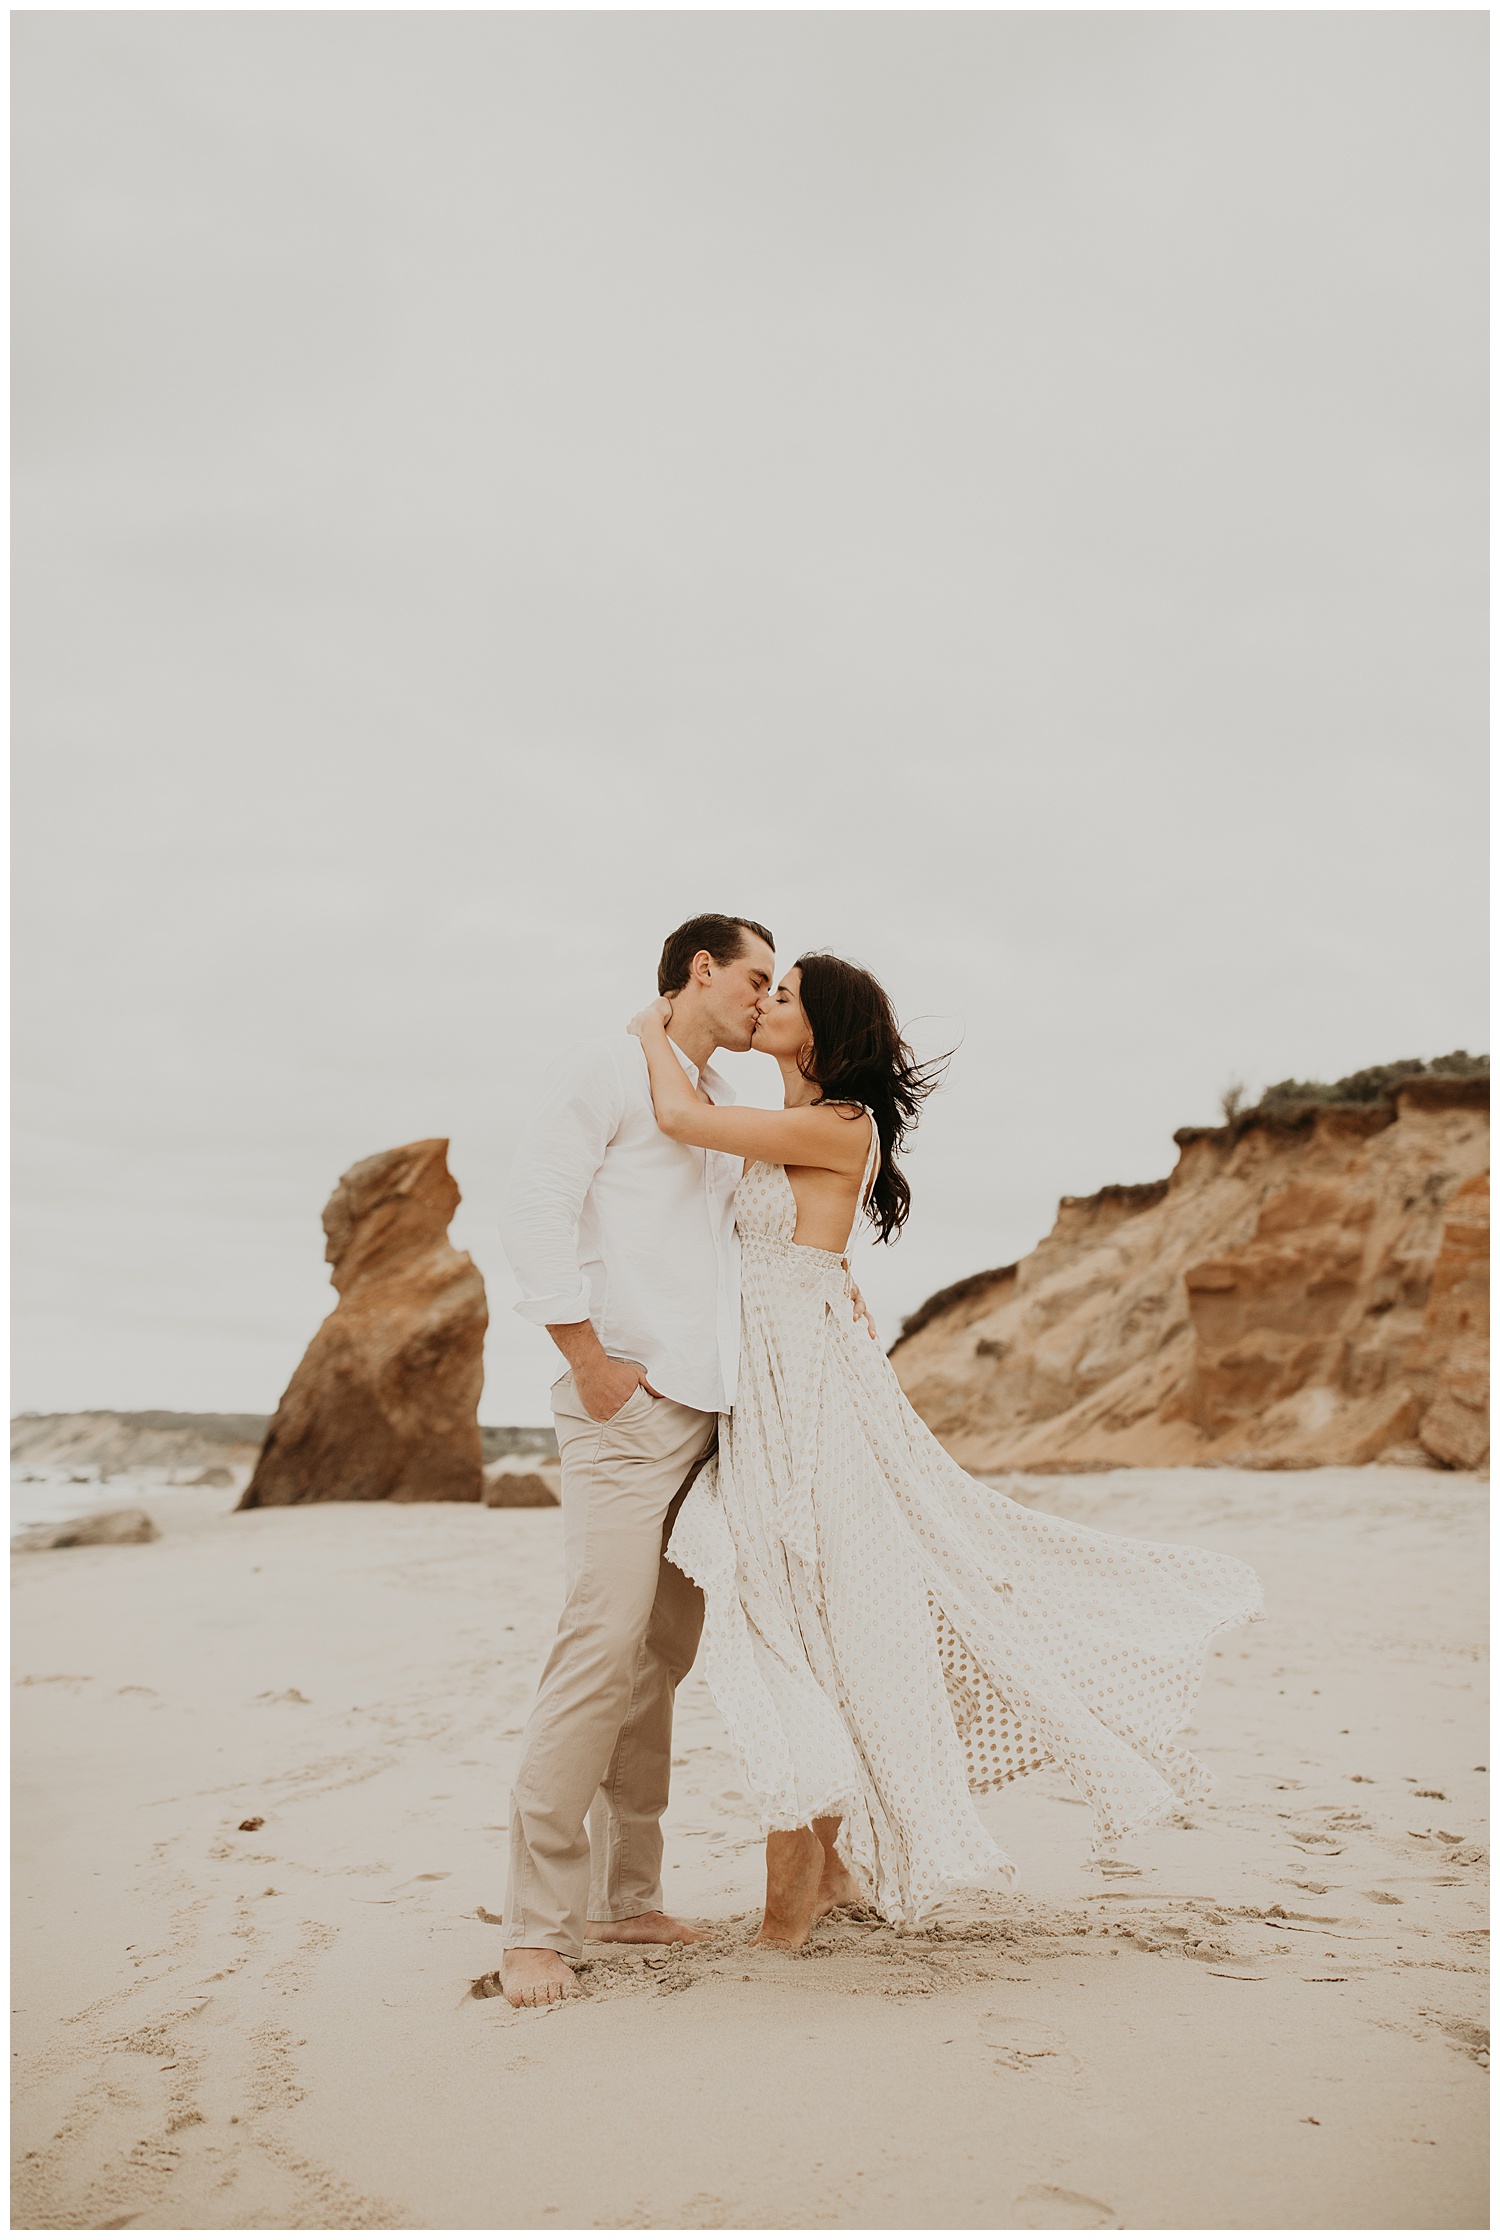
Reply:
x=598, y=1744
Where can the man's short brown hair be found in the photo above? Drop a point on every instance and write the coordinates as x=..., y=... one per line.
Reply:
x=723, y=938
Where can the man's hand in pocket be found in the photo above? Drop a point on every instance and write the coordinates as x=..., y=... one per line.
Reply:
x=605, y=1386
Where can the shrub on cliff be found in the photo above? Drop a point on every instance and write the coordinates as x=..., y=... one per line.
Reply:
x=1368, y=1086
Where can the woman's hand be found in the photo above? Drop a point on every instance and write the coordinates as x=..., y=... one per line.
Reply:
x=857, y=1302
x=657, y=1013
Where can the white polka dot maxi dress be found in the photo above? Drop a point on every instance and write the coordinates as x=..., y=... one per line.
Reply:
x=884, y=1635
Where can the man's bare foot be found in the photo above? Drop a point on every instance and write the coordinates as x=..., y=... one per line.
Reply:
x=533, y=1975
x=645, y=1928
x=794, y=1871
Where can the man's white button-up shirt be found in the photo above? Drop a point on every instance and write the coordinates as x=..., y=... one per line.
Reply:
x=606, y=1220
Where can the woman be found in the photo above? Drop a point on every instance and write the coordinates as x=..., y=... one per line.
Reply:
x=883, y=1634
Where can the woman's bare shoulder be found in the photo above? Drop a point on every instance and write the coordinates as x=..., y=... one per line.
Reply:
x=842, y=1110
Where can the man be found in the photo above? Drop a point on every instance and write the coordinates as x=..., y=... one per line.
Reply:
x=623, y=1243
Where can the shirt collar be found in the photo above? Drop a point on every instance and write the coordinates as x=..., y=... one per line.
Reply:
x=717, y=1087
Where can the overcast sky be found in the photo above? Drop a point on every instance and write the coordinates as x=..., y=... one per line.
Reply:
x=1000, y=495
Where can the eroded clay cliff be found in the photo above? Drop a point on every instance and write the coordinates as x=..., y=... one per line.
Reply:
x=384, y=1404
x=1309, y=1286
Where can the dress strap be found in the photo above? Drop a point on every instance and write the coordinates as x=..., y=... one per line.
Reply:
x=872, y=1164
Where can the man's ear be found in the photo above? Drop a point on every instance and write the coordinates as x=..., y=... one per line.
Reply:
x=701, y=970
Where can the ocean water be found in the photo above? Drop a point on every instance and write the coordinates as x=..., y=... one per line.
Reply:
x=42, y=1496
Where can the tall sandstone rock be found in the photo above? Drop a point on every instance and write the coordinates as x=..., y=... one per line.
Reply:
x=1302, y=1290
x=384, y=1405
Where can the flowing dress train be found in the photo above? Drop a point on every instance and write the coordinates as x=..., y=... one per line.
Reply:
x=884, y=1635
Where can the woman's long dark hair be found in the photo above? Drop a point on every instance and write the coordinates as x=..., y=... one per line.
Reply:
x=860, y=1057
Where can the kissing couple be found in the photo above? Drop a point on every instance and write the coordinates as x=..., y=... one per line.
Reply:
x=882, y=1634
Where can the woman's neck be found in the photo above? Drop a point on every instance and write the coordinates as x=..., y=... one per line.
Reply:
x=796, y=1089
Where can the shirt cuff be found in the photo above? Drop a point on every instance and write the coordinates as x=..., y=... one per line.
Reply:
x=572, y=1308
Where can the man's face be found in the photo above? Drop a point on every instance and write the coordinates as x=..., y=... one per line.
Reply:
x=735, y=992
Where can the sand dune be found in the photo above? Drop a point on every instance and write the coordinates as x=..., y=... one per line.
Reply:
x=261, y=1770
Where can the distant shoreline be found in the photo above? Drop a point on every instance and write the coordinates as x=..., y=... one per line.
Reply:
x=81, y=1430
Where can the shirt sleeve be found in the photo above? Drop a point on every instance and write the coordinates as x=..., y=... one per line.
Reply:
x=559, y=1154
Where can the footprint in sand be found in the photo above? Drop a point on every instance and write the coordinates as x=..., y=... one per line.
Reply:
x=1055, y=2209
x=1032, y=2049
x=1471, y=2038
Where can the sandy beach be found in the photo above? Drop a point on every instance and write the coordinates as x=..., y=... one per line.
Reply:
x=261, y=1775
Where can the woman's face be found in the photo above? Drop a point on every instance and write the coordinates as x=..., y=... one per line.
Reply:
x=783, y=1031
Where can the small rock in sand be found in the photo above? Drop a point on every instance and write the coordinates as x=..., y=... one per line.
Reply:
x=106, y=1528
x=512, y=1484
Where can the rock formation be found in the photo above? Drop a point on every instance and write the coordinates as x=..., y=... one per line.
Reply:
x=384, y=1405
x=1454, y=1347
x=1309, y=1286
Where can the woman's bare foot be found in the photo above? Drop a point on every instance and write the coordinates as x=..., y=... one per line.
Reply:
x=837, y=1886
x=533, y=1975
x=794, y=1872
x=645, y=1928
